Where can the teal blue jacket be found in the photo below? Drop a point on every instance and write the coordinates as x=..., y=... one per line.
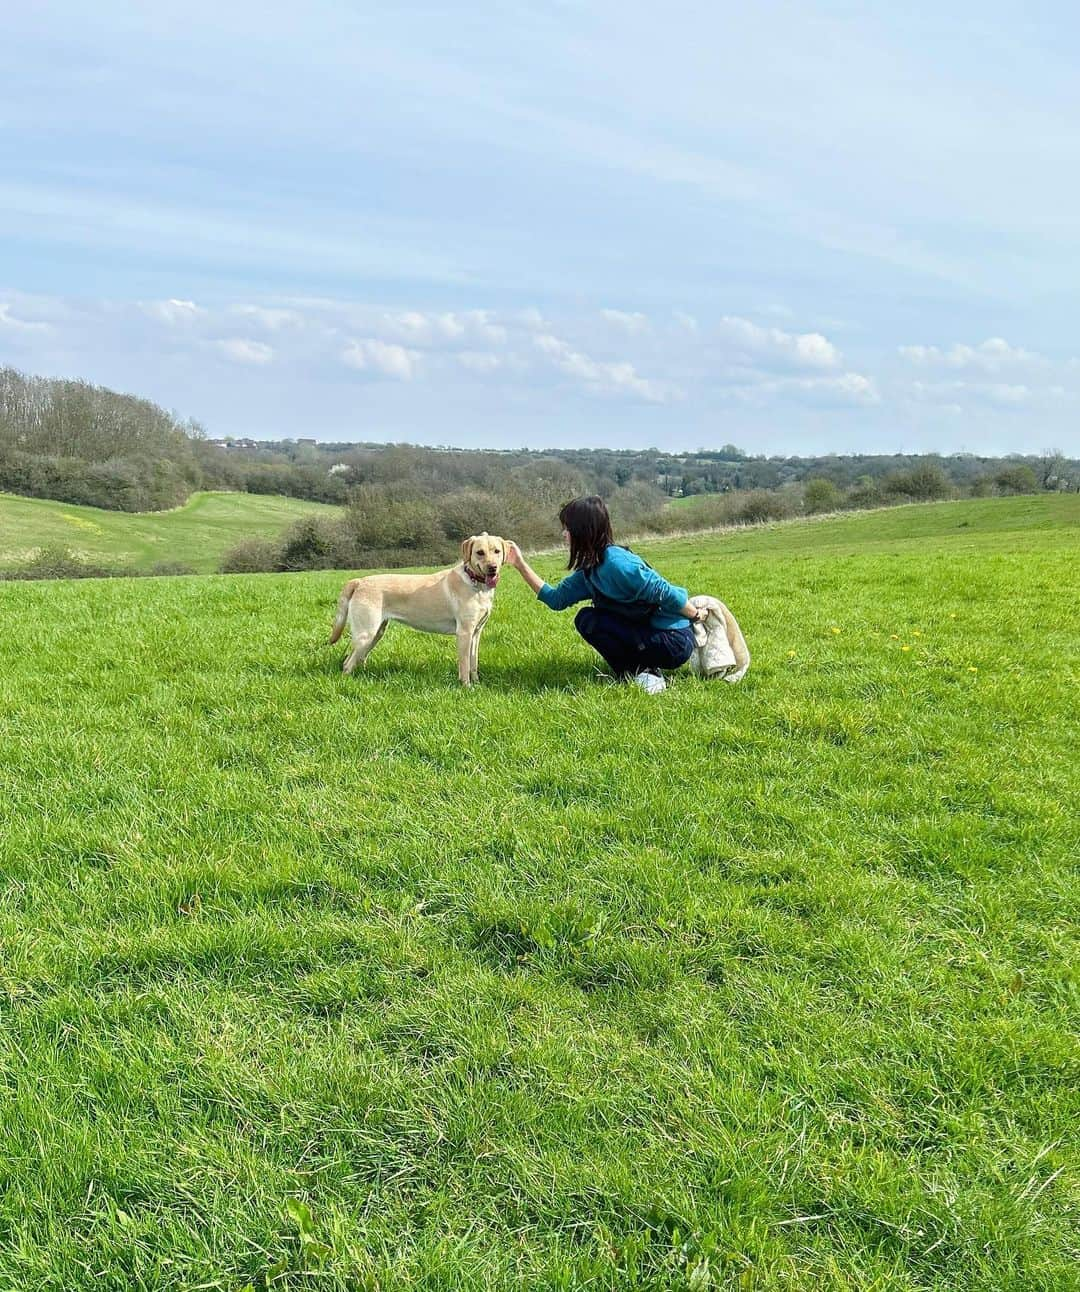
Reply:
x=621, y=576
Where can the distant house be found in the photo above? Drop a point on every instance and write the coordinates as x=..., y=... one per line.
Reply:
x=229, y=443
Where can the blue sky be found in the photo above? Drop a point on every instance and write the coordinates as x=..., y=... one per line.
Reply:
x=798, y=227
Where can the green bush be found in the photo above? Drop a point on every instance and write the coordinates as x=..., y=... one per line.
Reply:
x=169, y=569
x=924, y=483
x=758, y=506
x=252, y=556
x=821, y=495
x=1016, y=479
x=63, y=563
x=308, y=545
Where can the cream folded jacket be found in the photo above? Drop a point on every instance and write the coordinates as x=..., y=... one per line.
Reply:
x=720, y=648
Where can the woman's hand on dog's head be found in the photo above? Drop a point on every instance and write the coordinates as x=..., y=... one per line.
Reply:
x=513, y=555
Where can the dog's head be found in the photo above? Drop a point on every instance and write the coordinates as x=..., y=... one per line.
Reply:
x=483, y=555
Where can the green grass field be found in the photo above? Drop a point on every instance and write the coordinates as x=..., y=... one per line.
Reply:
x=197, y=534
x=334, y=983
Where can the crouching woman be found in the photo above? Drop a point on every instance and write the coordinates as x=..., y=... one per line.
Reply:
x=638, y=622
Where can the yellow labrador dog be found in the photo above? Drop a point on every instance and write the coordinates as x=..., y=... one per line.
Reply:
x=455, y=601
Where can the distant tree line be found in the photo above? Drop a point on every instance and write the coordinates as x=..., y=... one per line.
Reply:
x=79, y=443
x=404, y=504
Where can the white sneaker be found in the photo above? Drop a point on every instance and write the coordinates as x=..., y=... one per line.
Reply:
x=650, y=683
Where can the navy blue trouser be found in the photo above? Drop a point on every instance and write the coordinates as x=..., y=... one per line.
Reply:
x=632, y=648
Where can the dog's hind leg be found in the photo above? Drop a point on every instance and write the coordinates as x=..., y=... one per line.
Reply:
x=363, y=644
x=343, y=609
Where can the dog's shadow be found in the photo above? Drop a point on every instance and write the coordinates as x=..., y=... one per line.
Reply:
x=554, y=674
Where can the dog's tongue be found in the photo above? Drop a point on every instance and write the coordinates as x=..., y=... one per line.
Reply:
x=491, y=580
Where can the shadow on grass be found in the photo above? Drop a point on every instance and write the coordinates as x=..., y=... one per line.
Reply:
x=558, y=674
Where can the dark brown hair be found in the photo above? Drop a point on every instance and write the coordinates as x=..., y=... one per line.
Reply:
x=587, y=522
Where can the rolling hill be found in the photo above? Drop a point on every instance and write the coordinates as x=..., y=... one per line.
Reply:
x=196, y=534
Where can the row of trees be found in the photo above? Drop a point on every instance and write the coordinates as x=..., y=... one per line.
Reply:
x=410, y=520
x=725, y=470
x=405, y=504
x=417, y=522
x=79, y=443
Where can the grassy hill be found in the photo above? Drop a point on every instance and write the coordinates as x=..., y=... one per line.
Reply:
x=550, y=983
x=196, y=534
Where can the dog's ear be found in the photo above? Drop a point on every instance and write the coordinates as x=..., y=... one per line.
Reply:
x=466, y=549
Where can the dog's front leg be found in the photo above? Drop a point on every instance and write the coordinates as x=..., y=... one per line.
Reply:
x=464, y=653
x=474, y=662
x=474, y=651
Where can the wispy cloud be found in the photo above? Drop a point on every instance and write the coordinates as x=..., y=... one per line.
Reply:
x=381, y=358
x=770, y=346
x=999, y=394
x=273, y=320
x=629, y=321
x=487, y=365
x=242, y=350
x=989, y=356
x=12, y=323
x=617, y=378
x=173, y=312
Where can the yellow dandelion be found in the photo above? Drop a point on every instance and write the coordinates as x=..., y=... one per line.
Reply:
x=791, y=654
x=836, y=630
x=972, y=668
x=905, y=648
x=915, y=633
x=952, y=616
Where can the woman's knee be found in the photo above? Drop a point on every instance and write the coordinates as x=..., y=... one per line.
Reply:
x=683, y=651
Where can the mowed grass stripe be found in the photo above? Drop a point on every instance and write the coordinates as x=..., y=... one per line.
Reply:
x=197, y=534
x=549, y=983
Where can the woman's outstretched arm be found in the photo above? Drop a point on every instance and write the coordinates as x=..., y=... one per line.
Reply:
x=567, y=592
x=514, y=558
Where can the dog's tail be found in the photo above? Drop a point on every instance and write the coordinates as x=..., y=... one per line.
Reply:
x=343, y=609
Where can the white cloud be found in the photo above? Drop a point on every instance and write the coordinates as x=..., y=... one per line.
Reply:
x=240, y=350
x=531, y=319
x=173, y=312
x=999, y=394
x=760, y=389
x=1002, y=393
x=480, y=361
x=448, y=328
x=990, y=356
x=271, y=319
x=848, y=388
x=770, y=346
x=8, y=320
x=602, y=378
x=372, y=355
x=852, y=387
x=632, y=323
